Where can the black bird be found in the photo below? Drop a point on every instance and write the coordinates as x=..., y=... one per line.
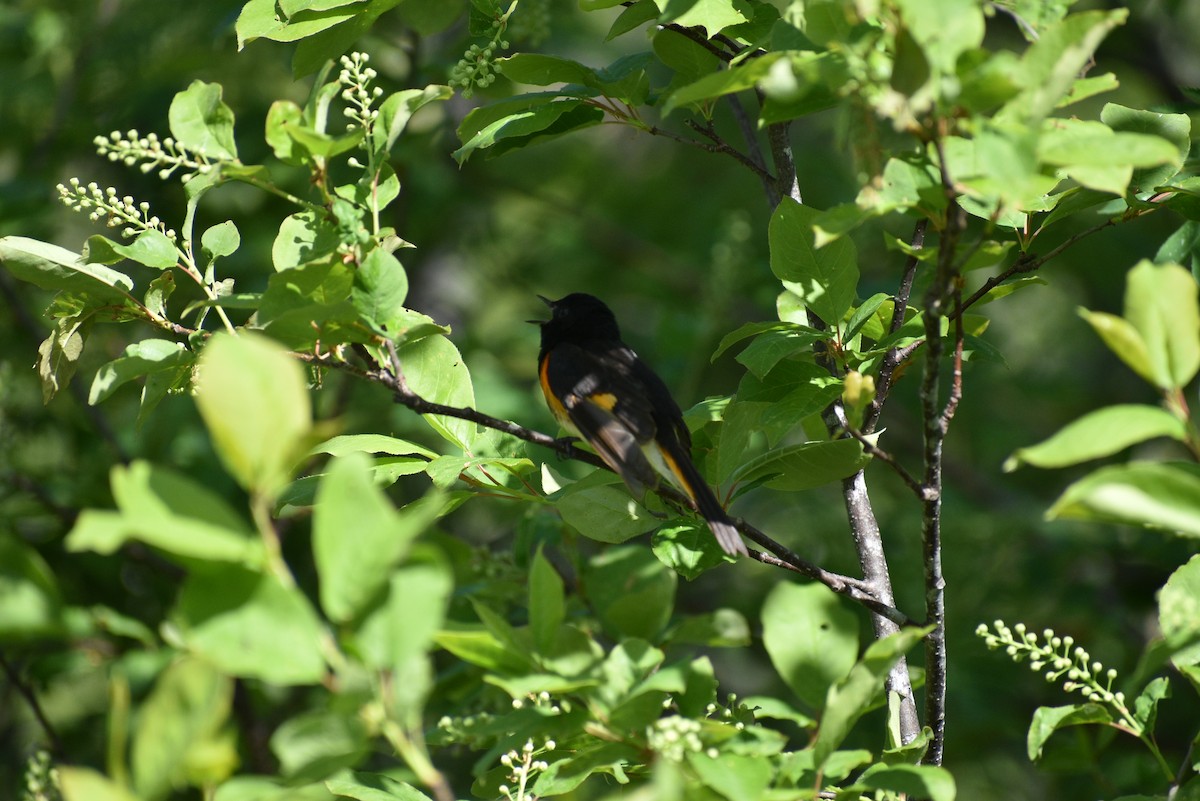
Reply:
x=598, y=389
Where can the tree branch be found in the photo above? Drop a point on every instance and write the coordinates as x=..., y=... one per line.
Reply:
x=35, y=706
x=787, y=183
x=721, y=146
x=753, y=150
x=935, y=425
x=393, y=378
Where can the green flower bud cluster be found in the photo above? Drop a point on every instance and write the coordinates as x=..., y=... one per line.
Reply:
x=41, y=779
x=359, y=95
x=477, y=68
x=1058, y=658
x=166, y=155
x=115, y=210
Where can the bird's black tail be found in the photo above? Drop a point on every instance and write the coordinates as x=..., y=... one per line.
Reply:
x=720, y=523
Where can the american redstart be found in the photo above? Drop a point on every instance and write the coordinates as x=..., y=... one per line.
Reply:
x=598, y=389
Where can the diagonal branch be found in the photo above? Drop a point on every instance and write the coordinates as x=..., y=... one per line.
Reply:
x=26, y=692
x=392, y=377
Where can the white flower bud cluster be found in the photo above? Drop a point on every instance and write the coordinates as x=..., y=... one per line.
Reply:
x=522, y=768
x=674, y=737
x=115, y=210
x=166, y=155
x=542, y=700
x=359, y=95
x=1059, y=657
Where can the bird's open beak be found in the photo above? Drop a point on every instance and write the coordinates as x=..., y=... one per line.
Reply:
x=549, y=303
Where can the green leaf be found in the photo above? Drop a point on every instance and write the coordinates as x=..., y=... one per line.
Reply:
x=303, y=238
x=687, y=547
x=631, y=592
x=373, y=787
x=1182, y=247
x=1099, y=157
x=250, y=625
x=1157, y=495
x=1049, y=719
x=724, y=628
x=914, y=781
x=310, y=304
x=402, y=627
x=521, y=128
x=201, y=121
x=318, y=743
x=85, y=784
x=178, y=739
x=537, y=69
x=1173, y=128
x=157, y=294
x=723, y=82
x=754, y=329
x=711, y=15
x=1122, y=339
x=736, y=777
x=58, y=354
x=799, y=467
x=254, y=399
x=57, y=269
x=945, y=29
x=1161, y=303
x=1145, y=706
x=686, y=57
x=30, y=604
x=380, y=287
x=634, y=16
x=151, y=248
x=354, y=569
x=398, y=109
x=220, y=240
x=564, y=775
x=1101, y=433
x=1050, y=66
x=546, y=603
x=771, y=347
x=478, y=646
x=170, y=511
x=825, y=279
x=434, y=369
x=140, y=358
x=1179, y=613
x=600, y=507
x=371, y=443
x=811, y=637
x=850, y=698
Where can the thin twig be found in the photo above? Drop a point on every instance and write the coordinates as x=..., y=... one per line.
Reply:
x=843, y=585
x=753, y=149
x=35, y=706
x=876, y=452
x=896, y=356
x=721, y=146
x=1026, y=263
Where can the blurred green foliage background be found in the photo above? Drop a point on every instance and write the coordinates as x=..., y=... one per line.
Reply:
x=672, y=238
